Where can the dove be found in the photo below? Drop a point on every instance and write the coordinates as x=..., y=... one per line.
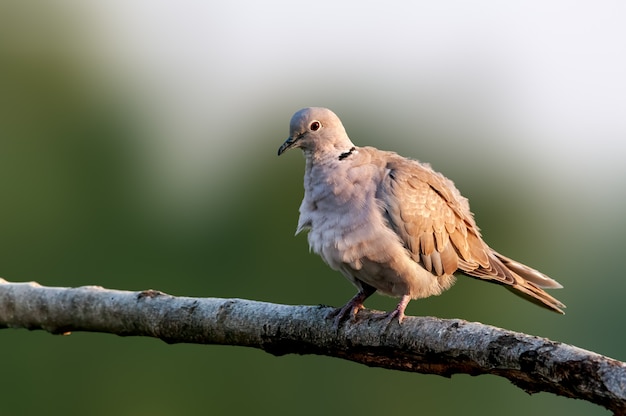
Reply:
x=391, y=224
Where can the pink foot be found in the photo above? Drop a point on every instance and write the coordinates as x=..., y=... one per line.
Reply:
x=398, y=312
x=350, y=309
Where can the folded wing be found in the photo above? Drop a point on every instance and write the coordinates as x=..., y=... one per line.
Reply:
x=438, y=229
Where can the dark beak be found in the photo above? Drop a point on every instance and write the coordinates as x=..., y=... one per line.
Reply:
x=287, y=145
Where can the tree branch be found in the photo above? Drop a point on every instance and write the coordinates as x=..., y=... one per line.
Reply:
x=421, y=344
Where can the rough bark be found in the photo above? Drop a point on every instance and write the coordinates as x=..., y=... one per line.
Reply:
x=421, y=344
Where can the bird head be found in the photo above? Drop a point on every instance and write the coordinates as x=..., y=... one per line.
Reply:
x=316, y=130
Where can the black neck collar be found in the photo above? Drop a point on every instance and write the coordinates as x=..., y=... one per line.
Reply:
x=346, y=154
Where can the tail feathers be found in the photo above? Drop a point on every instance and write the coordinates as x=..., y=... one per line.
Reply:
x=529, y=274
x=518, y=278
x=536, y=295
x=528, y=284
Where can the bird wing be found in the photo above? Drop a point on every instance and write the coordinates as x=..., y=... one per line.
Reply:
x=434, y=221
x=437, y=227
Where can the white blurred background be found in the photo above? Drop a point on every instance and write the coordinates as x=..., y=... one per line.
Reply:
x=538, y=87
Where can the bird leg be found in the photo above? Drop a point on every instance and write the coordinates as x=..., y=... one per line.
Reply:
x=398, y=311
x=354, y=305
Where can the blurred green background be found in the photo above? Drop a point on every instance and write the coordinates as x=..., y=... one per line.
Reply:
x=138, y=150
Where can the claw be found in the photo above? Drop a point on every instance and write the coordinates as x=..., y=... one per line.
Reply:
x=398, y=312
x=348, y=311
x=353, y=306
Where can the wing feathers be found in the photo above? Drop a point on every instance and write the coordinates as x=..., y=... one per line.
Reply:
x=435, y=223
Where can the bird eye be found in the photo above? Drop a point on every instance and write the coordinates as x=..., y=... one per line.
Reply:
x=315, y=126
